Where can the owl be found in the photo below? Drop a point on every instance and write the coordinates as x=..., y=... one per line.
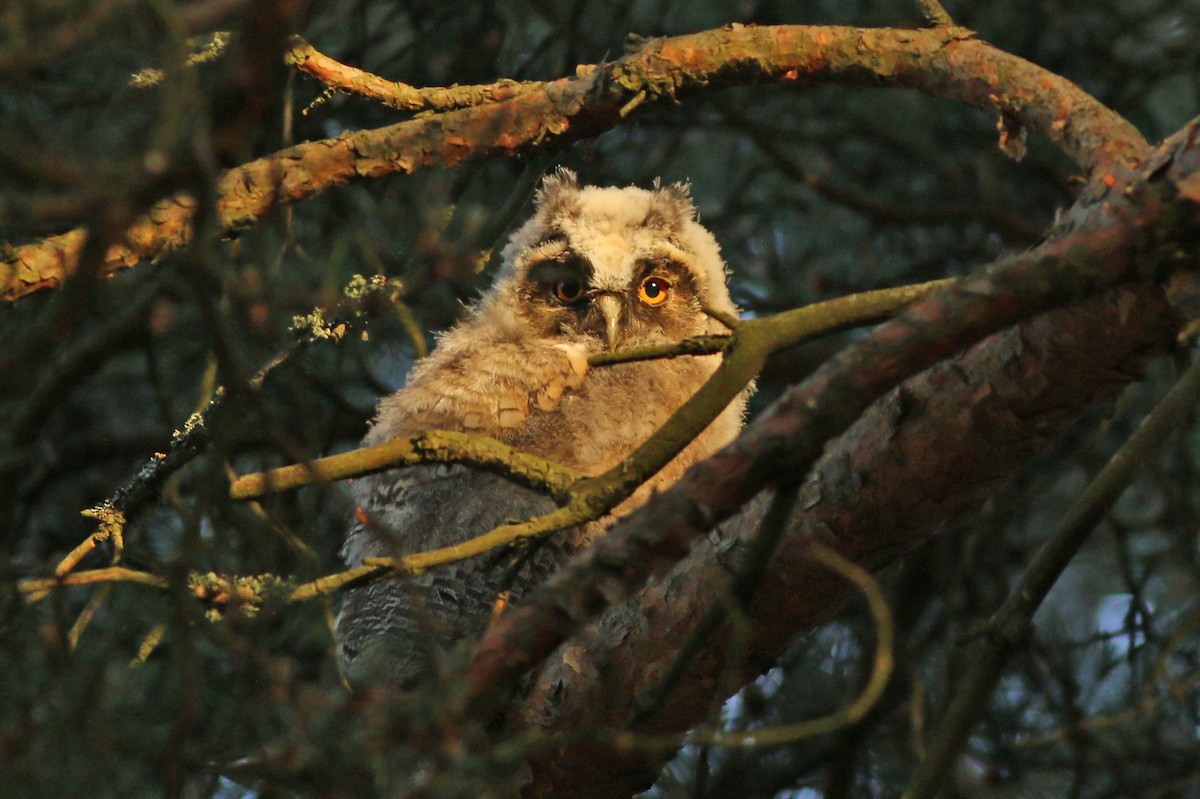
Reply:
x=594, y=269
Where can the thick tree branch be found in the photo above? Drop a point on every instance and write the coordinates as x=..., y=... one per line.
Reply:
x=944, y=62
x=956, y=431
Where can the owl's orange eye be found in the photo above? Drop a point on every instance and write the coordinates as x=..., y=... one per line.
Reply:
x=654, y=291
x=569, y=290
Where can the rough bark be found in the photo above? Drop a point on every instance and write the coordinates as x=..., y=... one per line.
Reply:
x=922, y=456
x=945, y=62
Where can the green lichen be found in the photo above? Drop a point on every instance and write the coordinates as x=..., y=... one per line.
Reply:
x=246, y=595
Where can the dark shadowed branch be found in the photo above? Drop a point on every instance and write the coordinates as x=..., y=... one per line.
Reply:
x=1010, y=625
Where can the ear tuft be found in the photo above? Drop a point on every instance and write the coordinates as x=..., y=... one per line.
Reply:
x=679, y=194
x=671, y=208
x=555, y=187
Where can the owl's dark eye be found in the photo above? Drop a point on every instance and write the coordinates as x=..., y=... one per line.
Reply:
x=569, y=290
x=654, y=290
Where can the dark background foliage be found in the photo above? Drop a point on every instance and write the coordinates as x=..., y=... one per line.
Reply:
x=813, y=193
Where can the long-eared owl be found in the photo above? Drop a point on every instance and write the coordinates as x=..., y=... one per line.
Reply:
x=594, y=269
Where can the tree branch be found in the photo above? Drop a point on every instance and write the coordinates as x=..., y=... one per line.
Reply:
x=1010, y=624
x=958, y=429
x=393, y=94
x=434, y=446
x=943, y=62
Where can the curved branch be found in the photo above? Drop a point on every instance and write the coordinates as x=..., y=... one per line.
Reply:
x=944, y=62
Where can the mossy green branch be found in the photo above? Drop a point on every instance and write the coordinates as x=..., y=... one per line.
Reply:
x=434, y=446
x=747, y=350
x=699, y=345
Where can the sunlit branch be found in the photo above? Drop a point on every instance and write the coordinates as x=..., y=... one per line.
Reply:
x=394, y=94
x=942, y=61
x=435, y=446
x=754, y=339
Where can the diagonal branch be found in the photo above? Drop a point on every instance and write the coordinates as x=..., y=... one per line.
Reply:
x=1010, y=624
x=959, y=430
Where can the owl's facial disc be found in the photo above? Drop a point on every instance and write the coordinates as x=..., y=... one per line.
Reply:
x=616, y=301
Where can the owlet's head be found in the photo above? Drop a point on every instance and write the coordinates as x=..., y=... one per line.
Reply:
x=624, y=266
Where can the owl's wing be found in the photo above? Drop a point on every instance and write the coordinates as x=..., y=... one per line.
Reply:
x=396, y=629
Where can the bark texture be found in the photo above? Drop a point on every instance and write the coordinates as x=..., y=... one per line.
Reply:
x=922, y=456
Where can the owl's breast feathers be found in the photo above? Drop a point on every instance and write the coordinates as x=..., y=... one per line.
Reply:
x=481, y=381
x=540, y=396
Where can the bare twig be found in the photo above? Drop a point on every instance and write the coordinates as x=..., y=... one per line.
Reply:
x=1008, y=627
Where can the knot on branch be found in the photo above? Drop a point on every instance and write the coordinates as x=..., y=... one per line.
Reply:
x=650, y=75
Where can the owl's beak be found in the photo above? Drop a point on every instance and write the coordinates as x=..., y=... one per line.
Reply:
x=610, y=307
